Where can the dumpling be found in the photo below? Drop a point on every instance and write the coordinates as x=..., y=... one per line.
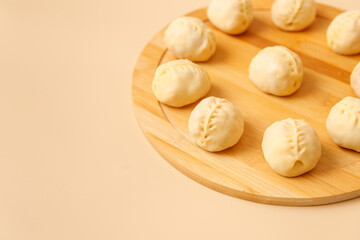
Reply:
x=276, y=70
x=180, y=82
x=343, y=34
x=231, y=16
x=291, y=147
x=190, y=38
x=343, y=123
x=216, y=124
x=355, y=80
x=293, y=15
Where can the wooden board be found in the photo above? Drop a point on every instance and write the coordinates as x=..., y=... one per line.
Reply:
x=241, y=171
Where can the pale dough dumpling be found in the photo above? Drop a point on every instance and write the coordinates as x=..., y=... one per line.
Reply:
x=343, y=34
x=293, y=15
x=343, y=123
x=216, y=124
x=180, y=82
x=355, y=80
x=291, y=147
x=276, y=70
x=231, y=16
x=190, y=38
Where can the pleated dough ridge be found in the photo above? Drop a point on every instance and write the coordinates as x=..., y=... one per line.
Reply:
x=291, y=147
x=231, y=16
x=190, y=38
x=216, y=124
x=180, y=82
x=343, y=123
x=343, y=33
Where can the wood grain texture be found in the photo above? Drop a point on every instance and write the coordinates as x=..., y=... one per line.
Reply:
x=241, y=171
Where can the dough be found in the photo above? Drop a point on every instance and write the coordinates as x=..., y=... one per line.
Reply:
x=343, y=123
x=355, y=80
x=189, y=37
x=343, y=34
x=180, y=82
x=231, y=16
x=216, y=124
x=291, y=147
x=276, y=70
x=293, y=15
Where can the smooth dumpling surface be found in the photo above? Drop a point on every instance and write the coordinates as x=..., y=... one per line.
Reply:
x=355, y=80
x=231, y=16
x=343, y=123
x=293, y=15
x=180, y=82
x=343, y=34
x=276, y=70
x=190, y=38
x=291, y=147
x=216, y=124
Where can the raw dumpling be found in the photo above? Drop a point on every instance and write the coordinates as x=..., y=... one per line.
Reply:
x=291, y=147
x=343, y=123
x=216, y=124
x=190, y=38
x=293, y=15
x=180, y=82
x=355, y=80
x=231, y=16
x=343, y=34
x=276, y=70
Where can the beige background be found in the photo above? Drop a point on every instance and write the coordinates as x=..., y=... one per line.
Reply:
x=74, y=164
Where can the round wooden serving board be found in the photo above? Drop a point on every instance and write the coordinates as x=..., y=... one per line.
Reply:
x=241, y=171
